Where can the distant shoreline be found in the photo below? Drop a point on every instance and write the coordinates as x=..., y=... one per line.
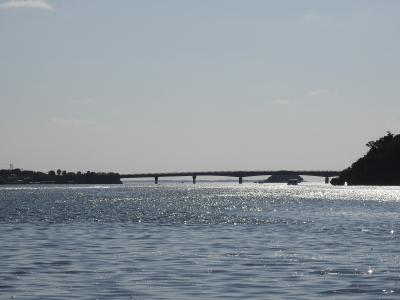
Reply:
x=18, y=176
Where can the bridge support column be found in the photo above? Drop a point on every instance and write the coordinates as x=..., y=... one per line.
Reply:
x=240, y=180
x=156, y=180
x=327, y=180
x=194, y=179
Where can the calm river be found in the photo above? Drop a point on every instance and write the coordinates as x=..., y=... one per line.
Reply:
x=203, y=241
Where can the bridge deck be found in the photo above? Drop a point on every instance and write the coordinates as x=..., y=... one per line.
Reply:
x=234, y=173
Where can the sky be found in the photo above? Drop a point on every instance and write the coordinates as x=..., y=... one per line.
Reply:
x=184, y=85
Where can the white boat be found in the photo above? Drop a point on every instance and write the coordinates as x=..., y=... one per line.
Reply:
x=292, y=182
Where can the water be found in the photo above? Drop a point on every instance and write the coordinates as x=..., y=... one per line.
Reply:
x=179, y=241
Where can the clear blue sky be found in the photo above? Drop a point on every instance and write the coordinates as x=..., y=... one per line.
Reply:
x=196, y=85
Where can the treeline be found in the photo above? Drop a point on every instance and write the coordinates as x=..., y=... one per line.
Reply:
x=18, y=176
x=380, y=166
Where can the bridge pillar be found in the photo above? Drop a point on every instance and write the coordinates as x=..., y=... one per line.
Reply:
x=156, y=179
x=240, y=180
x=326, y=179
x=194, y=179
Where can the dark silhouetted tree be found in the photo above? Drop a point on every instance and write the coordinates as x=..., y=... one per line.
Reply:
x=379, y=166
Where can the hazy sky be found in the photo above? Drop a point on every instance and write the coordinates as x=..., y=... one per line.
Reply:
x=139, y=86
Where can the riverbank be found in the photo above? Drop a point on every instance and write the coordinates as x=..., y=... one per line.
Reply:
x=379, y=166
x=18, y=176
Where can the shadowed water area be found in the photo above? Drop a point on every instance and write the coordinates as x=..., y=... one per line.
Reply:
x=204, y=241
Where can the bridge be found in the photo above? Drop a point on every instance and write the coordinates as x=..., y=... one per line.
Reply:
x=238, y=174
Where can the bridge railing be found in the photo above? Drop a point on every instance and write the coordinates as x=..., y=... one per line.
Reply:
x=239, y=173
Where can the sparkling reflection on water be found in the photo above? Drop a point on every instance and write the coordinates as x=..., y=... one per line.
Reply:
x=179, y=241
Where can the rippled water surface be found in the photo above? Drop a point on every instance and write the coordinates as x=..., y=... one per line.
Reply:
x=180, y=241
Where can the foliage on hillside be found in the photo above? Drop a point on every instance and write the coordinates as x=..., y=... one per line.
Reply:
x=380, y=166
x=18, y=176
